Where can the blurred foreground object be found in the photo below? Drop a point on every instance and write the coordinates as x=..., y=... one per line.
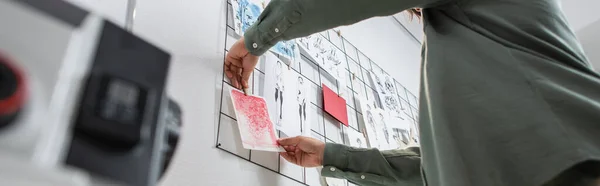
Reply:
x=82, y=101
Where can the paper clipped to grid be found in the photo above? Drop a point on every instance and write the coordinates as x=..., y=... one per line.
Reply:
x=357, y=139
x=256, y=129
x=386, y=90
x=377, y=126
x=325, y=54
x=286, y=93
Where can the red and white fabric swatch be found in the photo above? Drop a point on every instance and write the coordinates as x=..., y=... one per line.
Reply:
x=256, y=129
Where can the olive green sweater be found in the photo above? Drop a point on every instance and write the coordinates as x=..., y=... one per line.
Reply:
x=507, y=97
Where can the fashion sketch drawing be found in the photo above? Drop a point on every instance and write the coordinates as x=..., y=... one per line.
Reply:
x=246, y=13
x=386, y=90
x=285, y=91
x=301, y=98
x=373, y=127
x=279, y=88
x=367, y=108
x=325, y=54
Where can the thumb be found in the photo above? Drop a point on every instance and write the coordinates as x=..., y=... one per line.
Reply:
x=246, y=77
x=289, y=141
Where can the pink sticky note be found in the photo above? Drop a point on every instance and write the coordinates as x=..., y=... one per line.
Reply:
x=256, y=129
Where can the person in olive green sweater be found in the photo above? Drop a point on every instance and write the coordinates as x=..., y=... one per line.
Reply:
x=507, y=95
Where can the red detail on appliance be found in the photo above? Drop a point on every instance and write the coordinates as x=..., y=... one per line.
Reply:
x=13, y=102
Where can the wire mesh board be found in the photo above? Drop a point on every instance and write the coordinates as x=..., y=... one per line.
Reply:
x=358, y=84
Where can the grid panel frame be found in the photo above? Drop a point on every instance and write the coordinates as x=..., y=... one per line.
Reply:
x=357, y=68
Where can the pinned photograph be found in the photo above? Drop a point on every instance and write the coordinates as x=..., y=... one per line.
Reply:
x=245, y=14
x=256, y=129
x=302, y=89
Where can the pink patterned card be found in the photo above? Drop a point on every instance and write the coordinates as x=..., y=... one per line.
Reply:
x=256, y=129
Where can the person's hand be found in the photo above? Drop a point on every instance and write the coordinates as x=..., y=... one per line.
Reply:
x=239, y=64
x=303, y=151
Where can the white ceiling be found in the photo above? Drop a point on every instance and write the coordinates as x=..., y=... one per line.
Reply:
x=581, y=13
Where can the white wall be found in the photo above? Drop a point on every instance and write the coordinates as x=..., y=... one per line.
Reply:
x=193, y=31
x=113, y=10
x=588, y=36
x=581, y=13
x=586, y=23
x=389, y=45
x=413, y=24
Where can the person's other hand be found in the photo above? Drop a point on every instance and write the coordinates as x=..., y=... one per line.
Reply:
x=303, y=151
x=239, y=64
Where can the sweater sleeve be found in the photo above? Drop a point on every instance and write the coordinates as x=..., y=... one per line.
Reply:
x=289, y=19
x=373, y=167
